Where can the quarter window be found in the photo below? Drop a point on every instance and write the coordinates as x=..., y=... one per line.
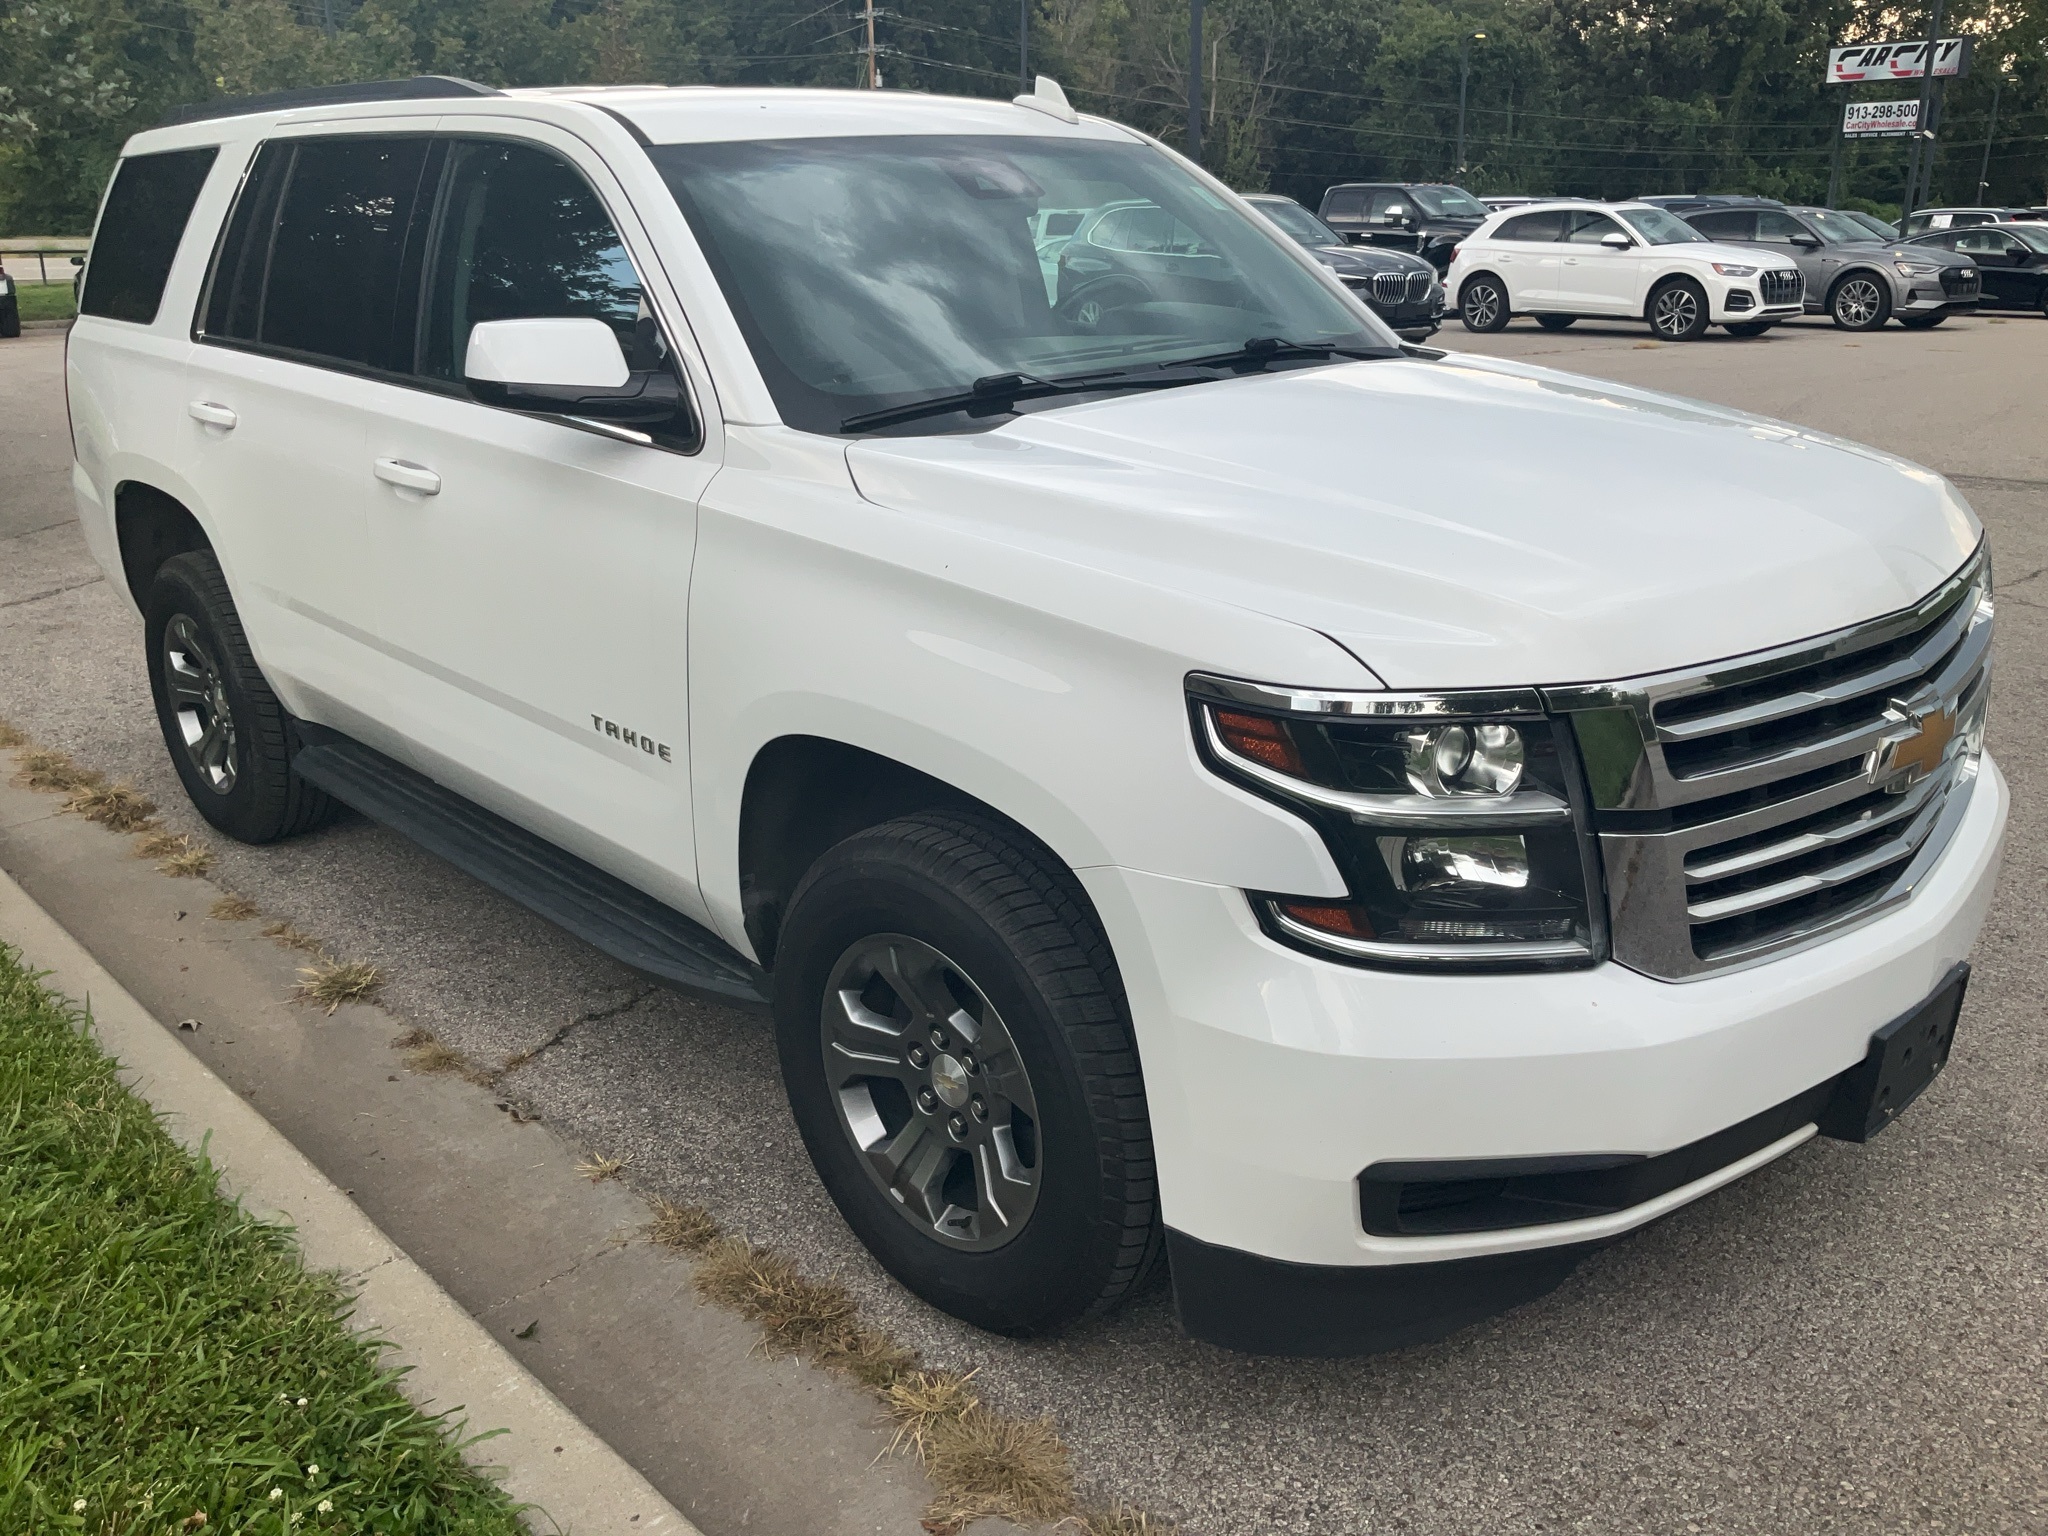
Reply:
x=147, y=209
x=522, y=236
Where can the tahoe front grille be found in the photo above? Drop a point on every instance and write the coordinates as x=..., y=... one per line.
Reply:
x=1780, y=286
x=1756, y=805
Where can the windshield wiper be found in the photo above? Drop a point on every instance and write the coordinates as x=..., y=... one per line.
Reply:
x=1261, y=350
x=999, y=392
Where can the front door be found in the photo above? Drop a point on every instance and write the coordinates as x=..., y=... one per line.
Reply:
x=536, y=573
x=2000, y=260
x=1595, y=279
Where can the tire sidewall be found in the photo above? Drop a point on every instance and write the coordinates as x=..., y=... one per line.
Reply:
x=245, y=812
x=1055, y=1269
x=1501, y=313
x=1884, y=302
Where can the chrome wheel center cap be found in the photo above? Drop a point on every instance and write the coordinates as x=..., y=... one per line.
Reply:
x=949, y=1081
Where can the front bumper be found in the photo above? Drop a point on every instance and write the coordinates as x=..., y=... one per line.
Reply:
x=1275, y=1078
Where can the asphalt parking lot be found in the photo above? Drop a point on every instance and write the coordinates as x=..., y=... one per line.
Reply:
x=1852, y=1340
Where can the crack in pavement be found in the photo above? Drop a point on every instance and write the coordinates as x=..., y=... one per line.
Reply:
x=65, y=522
x=611, y=1245
x=595, y=1016
x=17, y=602
x=1999, y=480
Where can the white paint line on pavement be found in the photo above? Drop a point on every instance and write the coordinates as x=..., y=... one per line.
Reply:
x=550, y=1457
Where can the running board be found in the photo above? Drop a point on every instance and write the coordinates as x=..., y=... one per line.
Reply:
x=601, y=909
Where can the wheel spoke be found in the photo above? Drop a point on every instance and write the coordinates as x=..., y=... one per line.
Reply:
x=915, y=979
x=914, y=1163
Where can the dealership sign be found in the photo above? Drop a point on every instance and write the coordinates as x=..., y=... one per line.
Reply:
x=1897, y=61
x=1867, y=119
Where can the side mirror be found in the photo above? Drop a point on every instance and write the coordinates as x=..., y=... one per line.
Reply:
x=1806, y=241
x=1617, y=242
x=78, y=261
x=566, y=368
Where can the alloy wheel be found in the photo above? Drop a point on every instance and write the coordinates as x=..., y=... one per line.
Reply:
x=198, y=696
x=1857, y=301
x=931, y=1091
x=1676, y=312
x=1482, y=305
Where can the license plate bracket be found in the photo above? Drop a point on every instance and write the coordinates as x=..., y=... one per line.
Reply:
x=1904, y=1057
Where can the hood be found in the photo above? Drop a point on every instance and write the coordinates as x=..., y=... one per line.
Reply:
x=1892, y=250
x=1464, y=523
x=1357, y=259
x=1746, y=255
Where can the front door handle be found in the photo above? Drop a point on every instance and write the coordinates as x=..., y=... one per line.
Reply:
x=213, y=415
x=408, y=476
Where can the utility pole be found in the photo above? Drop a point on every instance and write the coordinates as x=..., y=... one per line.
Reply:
x=1835, y=160
x=1984, y=167
x=874, y=75
x=327, y=16
x=1024, y=47
x=1934, y=110
x=1464, y=75
x=1195, y=81
x=1921, y=126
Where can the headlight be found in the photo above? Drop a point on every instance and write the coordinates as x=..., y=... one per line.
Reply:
x=1732, y=269
x=1450, y=817
x=1916, y=268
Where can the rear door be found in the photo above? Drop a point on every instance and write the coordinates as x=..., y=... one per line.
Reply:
x=2001, y=260
x=1526, y=258
x=300, y=341
x=538, y=592
x=1594, y=279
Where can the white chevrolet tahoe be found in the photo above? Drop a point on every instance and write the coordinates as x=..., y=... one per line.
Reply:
x=1186, y=773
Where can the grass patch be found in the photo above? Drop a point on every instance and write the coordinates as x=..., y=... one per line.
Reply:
x=330, y=983
x=12, y=735
x=53, y=772
x=176, y=853
x=119, y=807
x=232, y=909
x=288, y=937
x=685, y=1228
x=596, y=1167
x=163, y=1357
x=45, y=301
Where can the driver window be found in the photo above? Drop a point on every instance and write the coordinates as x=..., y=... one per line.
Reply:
x=1778, y=228
x=1589, y=228
x=1984, y=242
x=521, y=236
x=1387, y=207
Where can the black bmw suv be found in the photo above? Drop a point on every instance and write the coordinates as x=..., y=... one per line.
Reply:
x=1401, y=288
x=1426, y=217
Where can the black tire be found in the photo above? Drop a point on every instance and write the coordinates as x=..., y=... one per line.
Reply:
x=1091, y=307
x=1012, y=932
x=1860, y=301
x=1483, y=303
x=1749, y=327
x=199, y=661
x=1921, y=322
x=10, y=321
x=1677, y=310
x=1556, y=322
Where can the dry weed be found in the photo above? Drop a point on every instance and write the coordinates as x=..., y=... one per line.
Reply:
x=597, y=1167
x=1120, y=1519
x=188, y=862
x=232, y=909
x=290, y=938
x=988, y=1463
x=331, y=983
x=685, y=1228
x=53, y=772
x=424, y=1053
x=12, y=735
x=918, y=1400
x=797, y=1315
x=119, y=807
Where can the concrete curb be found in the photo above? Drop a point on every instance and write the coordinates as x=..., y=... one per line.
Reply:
x=550, y=1457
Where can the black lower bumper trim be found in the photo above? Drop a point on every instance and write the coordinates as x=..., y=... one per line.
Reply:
x=1270, y=1307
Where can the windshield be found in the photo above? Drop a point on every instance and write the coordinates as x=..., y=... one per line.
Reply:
x=1448, y=203
x=1299, y=222
x=2033, y=236
x=869, y=273
x=1659, y=227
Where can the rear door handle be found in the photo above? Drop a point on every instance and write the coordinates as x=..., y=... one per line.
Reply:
x=213, y=415
x=408, y=476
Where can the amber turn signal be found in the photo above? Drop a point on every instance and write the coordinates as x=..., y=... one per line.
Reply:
x=1261, y=739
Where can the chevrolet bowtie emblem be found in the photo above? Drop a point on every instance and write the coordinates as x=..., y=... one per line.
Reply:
x=1916, y=751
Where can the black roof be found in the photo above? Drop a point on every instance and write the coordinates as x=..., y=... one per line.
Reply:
x=418, y=88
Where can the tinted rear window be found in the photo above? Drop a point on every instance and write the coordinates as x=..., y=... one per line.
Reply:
x=145, y=217
x=1532, y=226
x=315, y=260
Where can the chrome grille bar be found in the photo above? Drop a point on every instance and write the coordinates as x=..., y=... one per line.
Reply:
x=1762, y=804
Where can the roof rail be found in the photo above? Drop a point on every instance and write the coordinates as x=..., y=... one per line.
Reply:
x=418, y=88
